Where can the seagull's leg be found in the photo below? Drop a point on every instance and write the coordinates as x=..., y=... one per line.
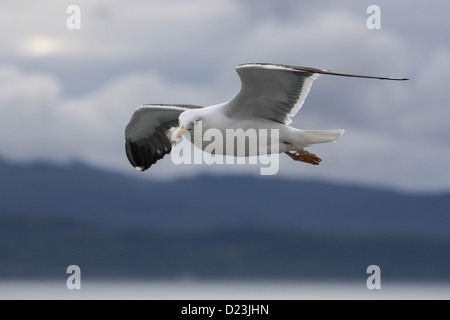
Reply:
x=307, y=157
x=292, y=155
x=304, y=156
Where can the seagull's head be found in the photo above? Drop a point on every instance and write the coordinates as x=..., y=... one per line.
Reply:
x=189, y=119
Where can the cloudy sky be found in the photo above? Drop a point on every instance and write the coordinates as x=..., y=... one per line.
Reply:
x=66, y=95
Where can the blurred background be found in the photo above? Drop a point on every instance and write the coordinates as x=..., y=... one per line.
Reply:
x=69, y=196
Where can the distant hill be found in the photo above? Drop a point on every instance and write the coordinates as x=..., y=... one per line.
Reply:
x=206, y=202
x=213, y=226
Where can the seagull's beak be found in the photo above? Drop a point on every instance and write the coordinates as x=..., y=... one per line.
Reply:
x=180, y=132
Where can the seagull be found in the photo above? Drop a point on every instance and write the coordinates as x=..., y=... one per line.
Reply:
x=270, y=95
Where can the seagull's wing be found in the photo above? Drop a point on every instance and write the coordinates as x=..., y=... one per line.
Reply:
x=148, y=134
x=275, y=92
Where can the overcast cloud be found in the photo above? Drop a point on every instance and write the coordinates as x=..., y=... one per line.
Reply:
x=66, y=95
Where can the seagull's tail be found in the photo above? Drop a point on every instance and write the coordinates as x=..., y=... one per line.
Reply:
x=320, y=136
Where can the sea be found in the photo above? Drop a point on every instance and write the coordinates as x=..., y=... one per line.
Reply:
x=220, y=290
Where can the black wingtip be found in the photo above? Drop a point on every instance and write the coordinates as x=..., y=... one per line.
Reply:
x=395, y=79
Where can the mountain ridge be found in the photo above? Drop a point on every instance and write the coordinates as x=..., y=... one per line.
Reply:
x=116, y=226
x=81, y=191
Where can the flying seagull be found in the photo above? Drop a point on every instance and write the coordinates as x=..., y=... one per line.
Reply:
x=270, y=95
